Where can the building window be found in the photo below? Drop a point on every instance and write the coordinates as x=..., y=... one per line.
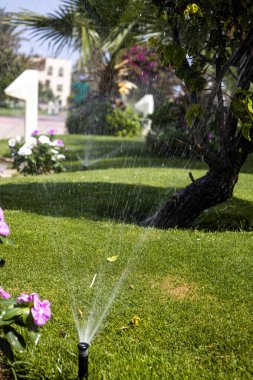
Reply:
x=59, y=87
x=50, y=70
x=47, y=83
x=61, y=72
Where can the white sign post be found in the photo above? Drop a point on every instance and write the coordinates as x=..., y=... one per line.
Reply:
x=25, y=87
x=146, y=106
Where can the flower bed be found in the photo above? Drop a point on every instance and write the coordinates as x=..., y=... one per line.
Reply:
x=40, y=154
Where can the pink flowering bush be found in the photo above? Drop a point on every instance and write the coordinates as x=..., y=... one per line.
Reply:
x=144, y=64
x=40, y=154
x=26, y=312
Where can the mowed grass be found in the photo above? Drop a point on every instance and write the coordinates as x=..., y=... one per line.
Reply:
x=192, y=289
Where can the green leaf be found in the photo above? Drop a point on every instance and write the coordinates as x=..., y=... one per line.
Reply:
x=193, y=112
x=8, y=302
x=15, y=339
x=250, y=108
x=26, y=314
x=35, y=337
x=6, y=349
x=237, y=107
x=33, y=330
x=112, y=258
x=6, y=323
x=174, y=54
x=246, y=131
x=11, y=313
x=8, y=241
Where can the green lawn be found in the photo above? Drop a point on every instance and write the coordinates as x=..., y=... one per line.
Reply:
x=6, y=111
x=192, y=289
x=17, y=112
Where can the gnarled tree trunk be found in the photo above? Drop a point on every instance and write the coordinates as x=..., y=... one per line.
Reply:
x=234, y=145
x=215, y=187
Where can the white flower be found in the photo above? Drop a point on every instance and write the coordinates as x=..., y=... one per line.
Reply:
x=60, y=157
x=12, y=143
x=18, y=139
x=30, y=142
x=24, y=151
x=54, y=151
x=44, y=140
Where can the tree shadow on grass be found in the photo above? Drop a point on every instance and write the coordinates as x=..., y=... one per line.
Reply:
x=115, y=201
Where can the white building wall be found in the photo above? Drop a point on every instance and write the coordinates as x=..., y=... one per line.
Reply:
x=57, y=76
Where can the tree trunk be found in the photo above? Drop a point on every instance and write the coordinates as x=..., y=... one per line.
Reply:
x=215, y=187
x=107, y=86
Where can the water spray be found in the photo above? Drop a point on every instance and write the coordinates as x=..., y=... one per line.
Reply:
x=83, y=360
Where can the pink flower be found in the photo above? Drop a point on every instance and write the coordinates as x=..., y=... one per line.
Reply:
x=26, y=298
x=140, y=57
x=135, y=49
x=52, y=132
x=150, y=65
x=4, y=228
x=57, y=143
x=4, y=294
x=41, y=311
x=1, y=214
x=35, y=132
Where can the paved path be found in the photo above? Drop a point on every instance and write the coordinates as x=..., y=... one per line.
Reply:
x=14, y=126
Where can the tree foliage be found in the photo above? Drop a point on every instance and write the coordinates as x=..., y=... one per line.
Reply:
x=208, y=39
x=99, y=32
x=208, y=43
x=11, y=64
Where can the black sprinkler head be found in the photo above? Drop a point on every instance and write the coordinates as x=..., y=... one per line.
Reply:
x=2, y=262
x=83, y=360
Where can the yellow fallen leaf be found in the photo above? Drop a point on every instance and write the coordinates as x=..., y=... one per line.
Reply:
x=80, y=313
x=135, y=320
x=112, y=258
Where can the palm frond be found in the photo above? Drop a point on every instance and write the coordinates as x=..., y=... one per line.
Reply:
x=57, y=27
x=117, y=39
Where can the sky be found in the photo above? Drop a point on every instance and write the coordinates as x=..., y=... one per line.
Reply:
x=29, y=44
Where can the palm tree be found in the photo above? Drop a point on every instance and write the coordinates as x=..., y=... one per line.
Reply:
x=91, y=27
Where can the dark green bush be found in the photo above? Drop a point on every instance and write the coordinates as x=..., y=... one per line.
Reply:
x=169, y=134
x=123, y=122
x=90, y=119
x=100, y=117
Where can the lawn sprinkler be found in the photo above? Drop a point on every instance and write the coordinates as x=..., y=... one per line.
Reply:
x=83, y=360
x=2, y=262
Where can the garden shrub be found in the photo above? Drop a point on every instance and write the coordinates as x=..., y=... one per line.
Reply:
x=100, y=116
x=90, y=118
x=40, y=154
x=123, y=122
x=169, y=134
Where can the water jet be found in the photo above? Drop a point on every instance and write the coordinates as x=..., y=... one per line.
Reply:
x=83, y=360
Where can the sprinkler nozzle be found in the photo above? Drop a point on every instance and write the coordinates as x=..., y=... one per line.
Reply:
x=83, y=360
x=2, y=262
